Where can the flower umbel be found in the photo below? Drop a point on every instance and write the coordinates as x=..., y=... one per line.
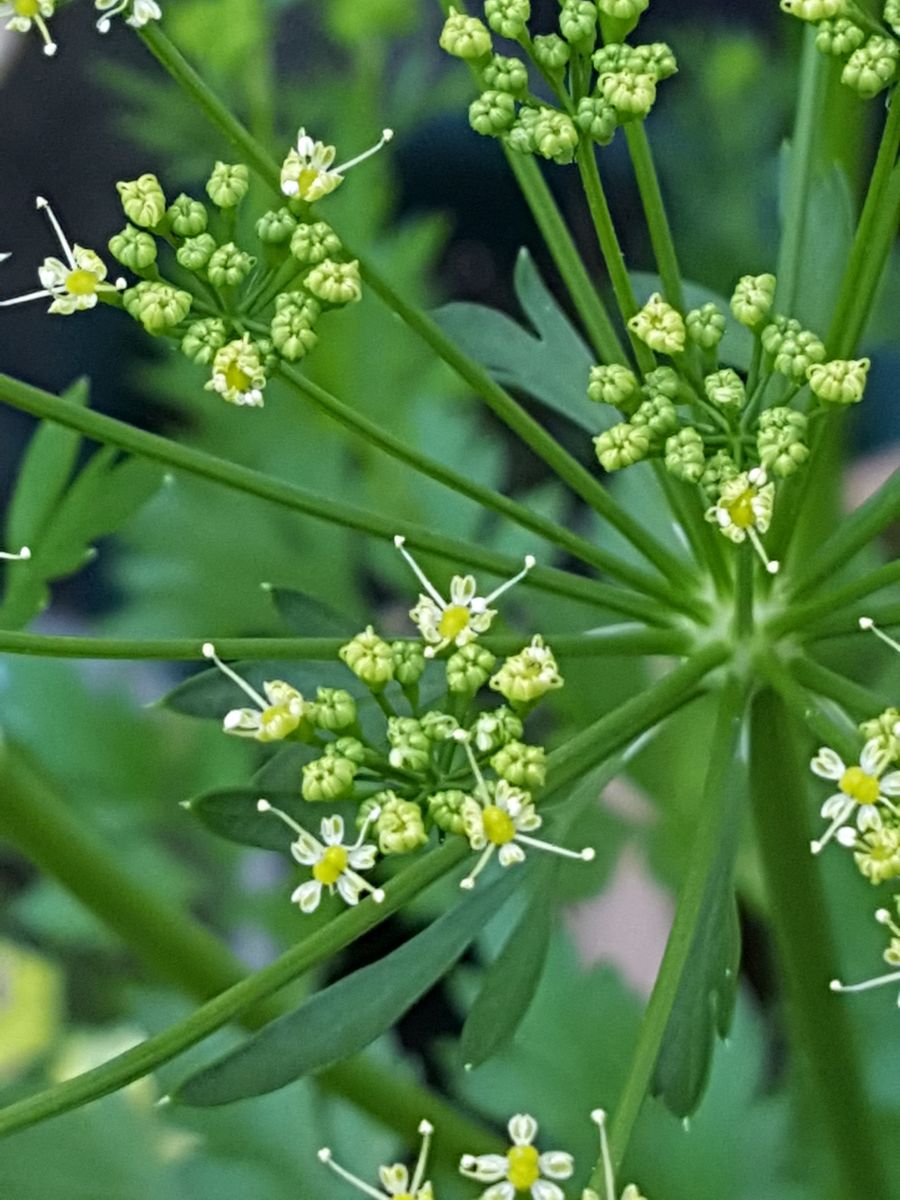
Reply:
x=395, y=1178
x=307, y=173
x=74, y=284
x=461, y=619
x=862, y=787
x=891, y=956
x=25, y=13
x=522, y=1169
x=275, y=716
x=334, y=865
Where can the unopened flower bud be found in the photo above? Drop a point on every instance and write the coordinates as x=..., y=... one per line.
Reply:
x=613, y=57
x=335, y=282
x=659, y=326
x=578, y=24
x=275, y=227
x=143, y=201
x=841, y=36
x=439, y=726
x=195, y=252
x=187, y=217
x=597, y=118
x=492, y=113
x=293, y=326
x=622, y=445
x=312, y=244
x=891, y=15
x=399, y=827
x=446, y=810
x=814, y=10
x=841, y=381
x=752, y=299
x=203, y=339
x=662, y=381
x=508, y=75
x=883, y=728
x=781, y=441
x=656, y=58
x=495, y=728
x=158, y=306
x=623, y=10
x=614, y=384
x=507, y=17
x=229, y=266
x=872, y=67
x=133, y=248
x=334, y=709
x=469, y=668
x=877, y=854
x=409, y=662
x=551, y=53
x=520, y=135
x=725, y=389
x=228, y=184
x=328, y=779
x=631, y=93
x=527, y=676
x=684, y=457
x=369, y=657
x=410, y=745
x=797, y=353
x=658, y=416
x=705, y=326
x=465, y=37
x=554, y=136
x=719, y=470
x=521, y=765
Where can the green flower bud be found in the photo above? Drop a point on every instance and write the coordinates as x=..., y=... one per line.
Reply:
x=507, y=17
x=752, y=299
x=439, y=726
x=551, y=52
x=705, y=326
x=622, y=445
x=399, y=827
x=228, y=184
x=623, y=10
x=578, y=23
x=495, y=728
x=597, y=118
x=877, y=855
x=521, y=765
x=872, y=67
x=658, y=416
x=781, y=441
x=187, y=217
x=725, y=389
x=891, y=15
x=614, y=384
x=527, y=676
x=229, y=266
x=555, y=136
x=369, y=657
x=446, y=810
x=662, y=381
x=465, y=37
x=143, y=201
x=158, y=306
x=410, y=744
x=312, y=244
x=797, y=353
x=468, y=668
x=328, y=779
x=774, y=334
x=333, y=709
x=133, y=248
x=684, y=457
x=292, y=328
x=335, y=282
x=614, y=57
x=347, y=747
x=814, y=10
x=194, y=253
x=492, y=113
x=656, y=58
x=508, y=75
x=841, y=381
x=409, y=662
x=840, y=37
x=659, y=326
x=719, y=470
x=203, y=339
x=275, y=227
x=631, y=93
x=882, y=728
x=520, y=135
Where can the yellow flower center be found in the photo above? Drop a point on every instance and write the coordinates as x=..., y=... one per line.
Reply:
x=498, y=825
x=331, y=865
x=307, y=177
x=79, y=282
x=454, y=620
x=859, y=786
x=741, y=509
x=27, y=8
x=277, y=722
x=236, y=379
x=523, y=1167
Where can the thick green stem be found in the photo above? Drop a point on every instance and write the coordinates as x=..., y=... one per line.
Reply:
x=828, y=613
x=107, y=430
x=715, y=814
x=819, y=718
x=823, y=1038
x=655, y=213
x=862, y=702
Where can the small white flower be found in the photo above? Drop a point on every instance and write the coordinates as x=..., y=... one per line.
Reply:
x=863, y=787
x=25, y=13
x=395, y=1179
x=891, y=956
x=140, y=12
x=502, y=818
x=276, y=715
x=73, y=285
x=307, y=172
x=522, y=1169
x=334, y=865
x=238, y=374
x=464, y=616
x=744, y=510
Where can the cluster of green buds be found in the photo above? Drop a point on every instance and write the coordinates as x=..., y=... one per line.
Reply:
x=845, y=30
x=598, y=81
x=731, y=436
x=458, y=764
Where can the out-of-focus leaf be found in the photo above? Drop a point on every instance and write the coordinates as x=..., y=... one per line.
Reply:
x=735, y=348
x=344, y=1018
x=232, y=814
x=308, y=617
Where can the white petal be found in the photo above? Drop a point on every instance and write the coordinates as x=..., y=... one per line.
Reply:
x=462, y=590
x=835, y=804
x=363, y=857
x=827, y=764
x=522, y=1127
x=394, y=1179
x=332, y=830
x=306, y=850
x=556, y=1164
x=308, y=895
x=541, y=1189
x=348, y=890
x=890, y=784
x=868, y=817
x=486, y=1168
x=875, y=757
x=510, y=854
x=847, y=836
x=499, y=1191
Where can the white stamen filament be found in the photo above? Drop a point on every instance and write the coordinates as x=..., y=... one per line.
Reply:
x=386, y=136
x=400, y=543
x=25, y=299
x=586, y=855
x=41, y=203
x=599, y=1116
x=771, y=565
x=105, y=22
x=460, y=735
x=869, y=626
x=426, y=1129
x=264, y=806
x=469, y=882
x=23, y=555
x=504, y=587
x=820, y=843
x=879, y=981
x=325, y=1157
x=370, y=820
x=209, y=651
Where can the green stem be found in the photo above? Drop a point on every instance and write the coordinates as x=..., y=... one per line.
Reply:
x=107, y=430
x=882, y=235
x=705, y=543
x=715, y=815
x=885, y=617
x=862, y=702
x=610, y=248
x=820, y=719
x=827, y=614
x=655, y=213
x=823, y=1036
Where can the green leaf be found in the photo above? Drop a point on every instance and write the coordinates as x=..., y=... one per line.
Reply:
x=511, y=980
x=342, y=1019
x=735, y=348
x=211, y=694
x=232, y=814
x=551, y=364
x=308, y=617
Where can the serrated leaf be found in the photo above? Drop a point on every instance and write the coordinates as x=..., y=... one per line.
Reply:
x=232, y=814
x=735, y=348
x=308, y=617
x=344, y=1018
x=551, y=364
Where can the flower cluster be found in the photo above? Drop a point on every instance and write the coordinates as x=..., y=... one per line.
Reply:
x=522, y=1169
x=457, y=765
x=239, y=312
x=869, y=50
x=596, y=90
x=732, y=437
x=25, y=15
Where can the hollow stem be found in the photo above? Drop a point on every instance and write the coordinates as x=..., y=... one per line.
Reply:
x=655, y=213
